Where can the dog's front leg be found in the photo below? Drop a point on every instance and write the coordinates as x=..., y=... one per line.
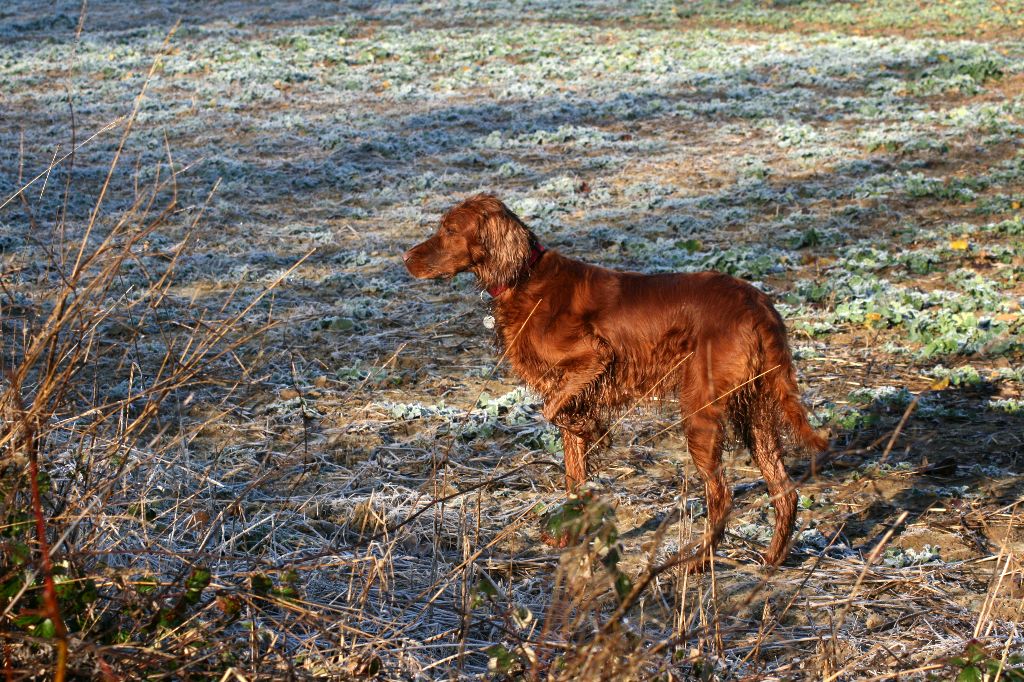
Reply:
x=575, y=448
x=576, y=417
x=578, y=435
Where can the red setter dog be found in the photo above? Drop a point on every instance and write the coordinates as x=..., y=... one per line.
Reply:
x=590, y=340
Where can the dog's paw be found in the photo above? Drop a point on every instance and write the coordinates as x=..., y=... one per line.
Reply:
x=559, y=540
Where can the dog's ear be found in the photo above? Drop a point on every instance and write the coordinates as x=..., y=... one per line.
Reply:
x=506, y=243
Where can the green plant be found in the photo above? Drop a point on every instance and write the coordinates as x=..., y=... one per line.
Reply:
x=979, y=664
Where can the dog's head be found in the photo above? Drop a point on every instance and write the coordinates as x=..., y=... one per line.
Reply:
x=479, y=234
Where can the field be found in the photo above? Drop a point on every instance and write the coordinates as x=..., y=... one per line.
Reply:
x=260, y=450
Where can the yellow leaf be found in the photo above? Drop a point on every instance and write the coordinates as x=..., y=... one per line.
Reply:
x=1015, y=205
x=874, y=317
x=940, y=385
x=958, y=245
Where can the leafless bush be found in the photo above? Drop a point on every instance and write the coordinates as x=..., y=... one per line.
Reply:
x=103, y=366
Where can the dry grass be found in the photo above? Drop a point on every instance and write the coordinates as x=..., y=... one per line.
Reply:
x=242, y=478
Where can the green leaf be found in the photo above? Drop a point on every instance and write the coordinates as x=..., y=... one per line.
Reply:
x=29, y=621
x=46, y=629
x=11, y=587
x=611, y=560
x=145, y=586
x=810, y=237
x=229, y=604
x=969, y=674
x=975, y=652
x=501, y=660
x=19, y=553
x=260, y=584
x=487, y=586
x=88, y=593
x=196, y=582
x=623, y=585
x=16, y=524
x=167, y=619
x=483, y=591
x=286, y=592
x=63, y=586
x=564, y=518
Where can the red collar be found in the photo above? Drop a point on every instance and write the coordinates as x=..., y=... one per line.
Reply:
x=536, y=251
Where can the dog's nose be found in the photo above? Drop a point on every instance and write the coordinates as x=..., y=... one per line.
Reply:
x=406, y=255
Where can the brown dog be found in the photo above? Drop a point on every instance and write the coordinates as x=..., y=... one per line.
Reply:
x=589, y=340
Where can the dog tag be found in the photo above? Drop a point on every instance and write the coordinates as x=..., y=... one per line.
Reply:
x=489, y=322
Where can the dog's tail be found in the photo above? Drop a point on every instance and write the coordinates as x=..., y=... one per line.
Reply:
x=784, y=393
x=794, y=414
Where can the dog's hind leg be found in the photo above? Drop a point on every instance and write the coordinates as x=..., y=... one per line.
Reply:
x=704, y=439
x=761, y=433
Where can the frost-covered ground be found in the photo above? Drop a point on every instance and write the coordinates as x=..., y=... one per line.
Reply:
x=862, y=162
